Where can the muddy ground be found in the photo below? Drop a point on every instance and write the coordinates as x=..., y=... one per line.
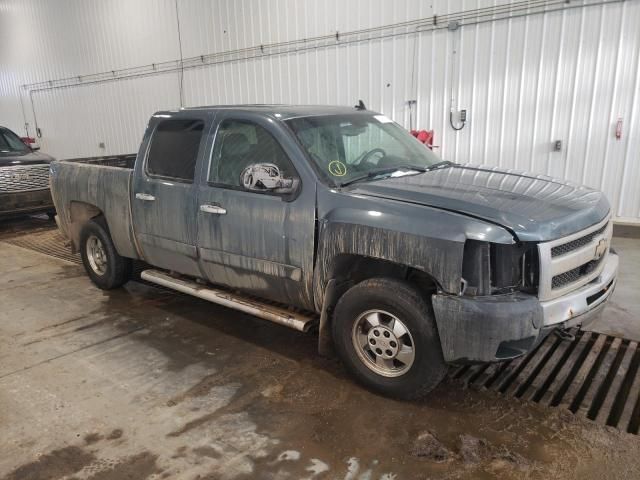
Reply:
x=145, y=383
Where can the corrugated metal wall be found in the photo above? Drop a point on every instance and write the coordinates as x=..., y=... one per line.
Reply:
x=525, y=82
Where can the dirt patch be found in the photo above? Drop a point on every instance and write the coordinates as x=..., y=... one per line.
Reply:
x=135, y=467
x=181, y=452
x=506, y=458
x=206, y=452
x=92, y=438
x=115, y=434
x=430, y=448
x=474, y=451
x=53, y=465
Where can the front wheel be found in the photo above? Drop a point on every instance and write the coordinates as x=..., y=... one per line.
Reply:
x=102, y=263
x=385, y=333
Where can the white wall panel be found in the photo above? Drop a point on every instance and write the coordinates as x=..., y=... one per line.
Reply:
x=77, y=120
x=525, y=82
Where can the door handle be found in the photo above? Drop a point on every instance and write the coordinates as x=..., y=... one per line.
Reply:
x=145, y=196
x=218, y=210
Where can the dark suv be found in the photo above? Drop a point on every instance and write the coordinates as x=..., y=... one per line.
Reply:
x=24, y=177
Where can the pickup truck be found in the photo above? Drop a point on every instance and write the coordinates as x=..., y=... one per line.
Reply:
x=24, y=177
x=337, y=219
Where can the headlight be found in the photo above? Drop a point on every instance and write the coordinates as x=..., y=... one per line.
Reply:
x=493, y=268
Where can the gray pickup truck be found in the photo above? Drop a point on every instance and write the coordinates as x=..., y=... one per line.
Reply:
x=338, y=219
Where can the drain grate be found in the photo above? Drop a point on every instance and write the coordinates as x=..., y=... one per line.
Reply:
x=48, y=241
x=51, y=242
x=594, y=375
x=19, y=226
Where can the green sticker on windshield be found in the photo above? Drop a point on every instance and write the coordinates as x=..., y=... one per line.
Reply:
x=337, y=168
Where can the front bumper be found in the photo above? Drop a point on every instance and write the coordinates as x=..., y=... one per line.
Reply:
x=25, y=202
x=501, y=327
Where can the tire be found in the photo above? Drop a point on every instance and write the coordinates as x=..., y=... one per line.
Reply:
x=393, y=371
x=106, y=269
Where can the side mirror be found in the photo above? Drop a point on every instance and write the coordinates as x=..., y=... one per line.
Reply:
x=266, y=177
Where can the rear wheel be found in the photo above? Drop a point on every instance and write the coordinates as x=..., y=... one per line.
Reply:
x=101, y=261
x=385, y=333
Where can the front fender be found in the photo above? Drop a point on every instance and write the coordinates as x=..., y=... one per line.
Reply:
x=440, y=259
x=428, y=239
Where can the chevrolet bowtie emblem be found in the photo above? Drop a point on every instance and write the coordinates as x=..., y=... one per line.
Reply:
x=17, y=177
x=601, y=249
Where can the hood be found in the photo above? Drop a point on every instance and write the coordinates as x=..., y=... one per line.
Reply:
x=533, y=207
x=29, y=158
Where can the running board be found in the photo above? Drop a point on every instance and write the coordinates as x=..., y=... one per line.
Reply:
x=296, y=320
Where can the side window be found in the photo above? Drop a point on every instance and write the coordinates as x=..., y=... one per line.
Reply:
x=174, y=149
x=10, y=142
x=240, y=144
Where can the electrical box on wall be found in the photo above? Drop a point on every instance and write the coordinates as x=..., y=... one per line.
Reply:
x=462, y=119
x=619, y=128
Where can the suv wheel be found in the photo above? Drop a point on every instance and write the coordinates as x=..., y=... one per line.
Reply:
x=385, y=334
x=101, y=261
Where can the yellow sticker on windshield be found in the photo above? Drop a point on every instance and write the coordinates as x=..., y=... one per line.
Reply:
x=337, y=168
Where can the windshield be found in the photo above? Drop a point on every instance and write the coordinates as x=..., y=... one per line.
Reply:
x=348, y=148
x=10, y=143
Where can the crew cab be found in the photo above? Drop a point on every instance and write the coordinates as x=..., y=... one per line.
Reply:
x=338, y=219
x=24, y=177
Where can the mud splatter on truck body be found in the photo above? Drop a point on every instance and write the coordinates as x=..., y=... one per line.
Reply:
x=478, y=244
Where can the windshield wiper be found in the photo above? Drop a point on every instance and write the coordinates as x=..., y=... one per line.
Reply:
x=435, y=166
x=382, y=172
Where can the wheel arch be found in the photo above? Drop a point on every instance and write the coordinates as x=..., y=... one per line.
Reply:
x=348, y=269
x=79, y=214
x=352, y=268
x=342, y=245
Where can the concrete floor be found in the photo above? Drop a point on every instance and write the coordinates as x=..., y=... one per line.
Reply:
x=144, y=383
x=622, y=315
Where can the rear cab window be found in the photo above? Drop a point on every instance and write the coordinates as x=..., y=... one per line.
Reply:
x=174, y=147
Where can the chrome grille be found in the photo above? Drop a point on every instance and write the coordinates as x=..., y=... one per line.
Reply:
x=574, y=275
x=24, y=178
x=573, y=261
x=575, y=244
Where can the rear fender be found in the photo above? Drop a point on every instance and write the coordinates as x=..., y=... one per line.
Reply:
x=82, y=191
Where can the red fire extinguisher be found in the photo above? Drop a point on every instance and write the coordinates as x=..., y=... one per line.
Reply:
x=424, y=136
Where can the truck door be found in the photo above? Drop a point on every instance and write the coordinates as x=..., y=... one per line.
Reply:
x=258, y=242
x=165, y=195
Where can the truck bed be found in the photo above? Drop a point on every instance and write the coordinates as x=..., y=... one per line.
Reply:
x=120, y=161
x=83, y=188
